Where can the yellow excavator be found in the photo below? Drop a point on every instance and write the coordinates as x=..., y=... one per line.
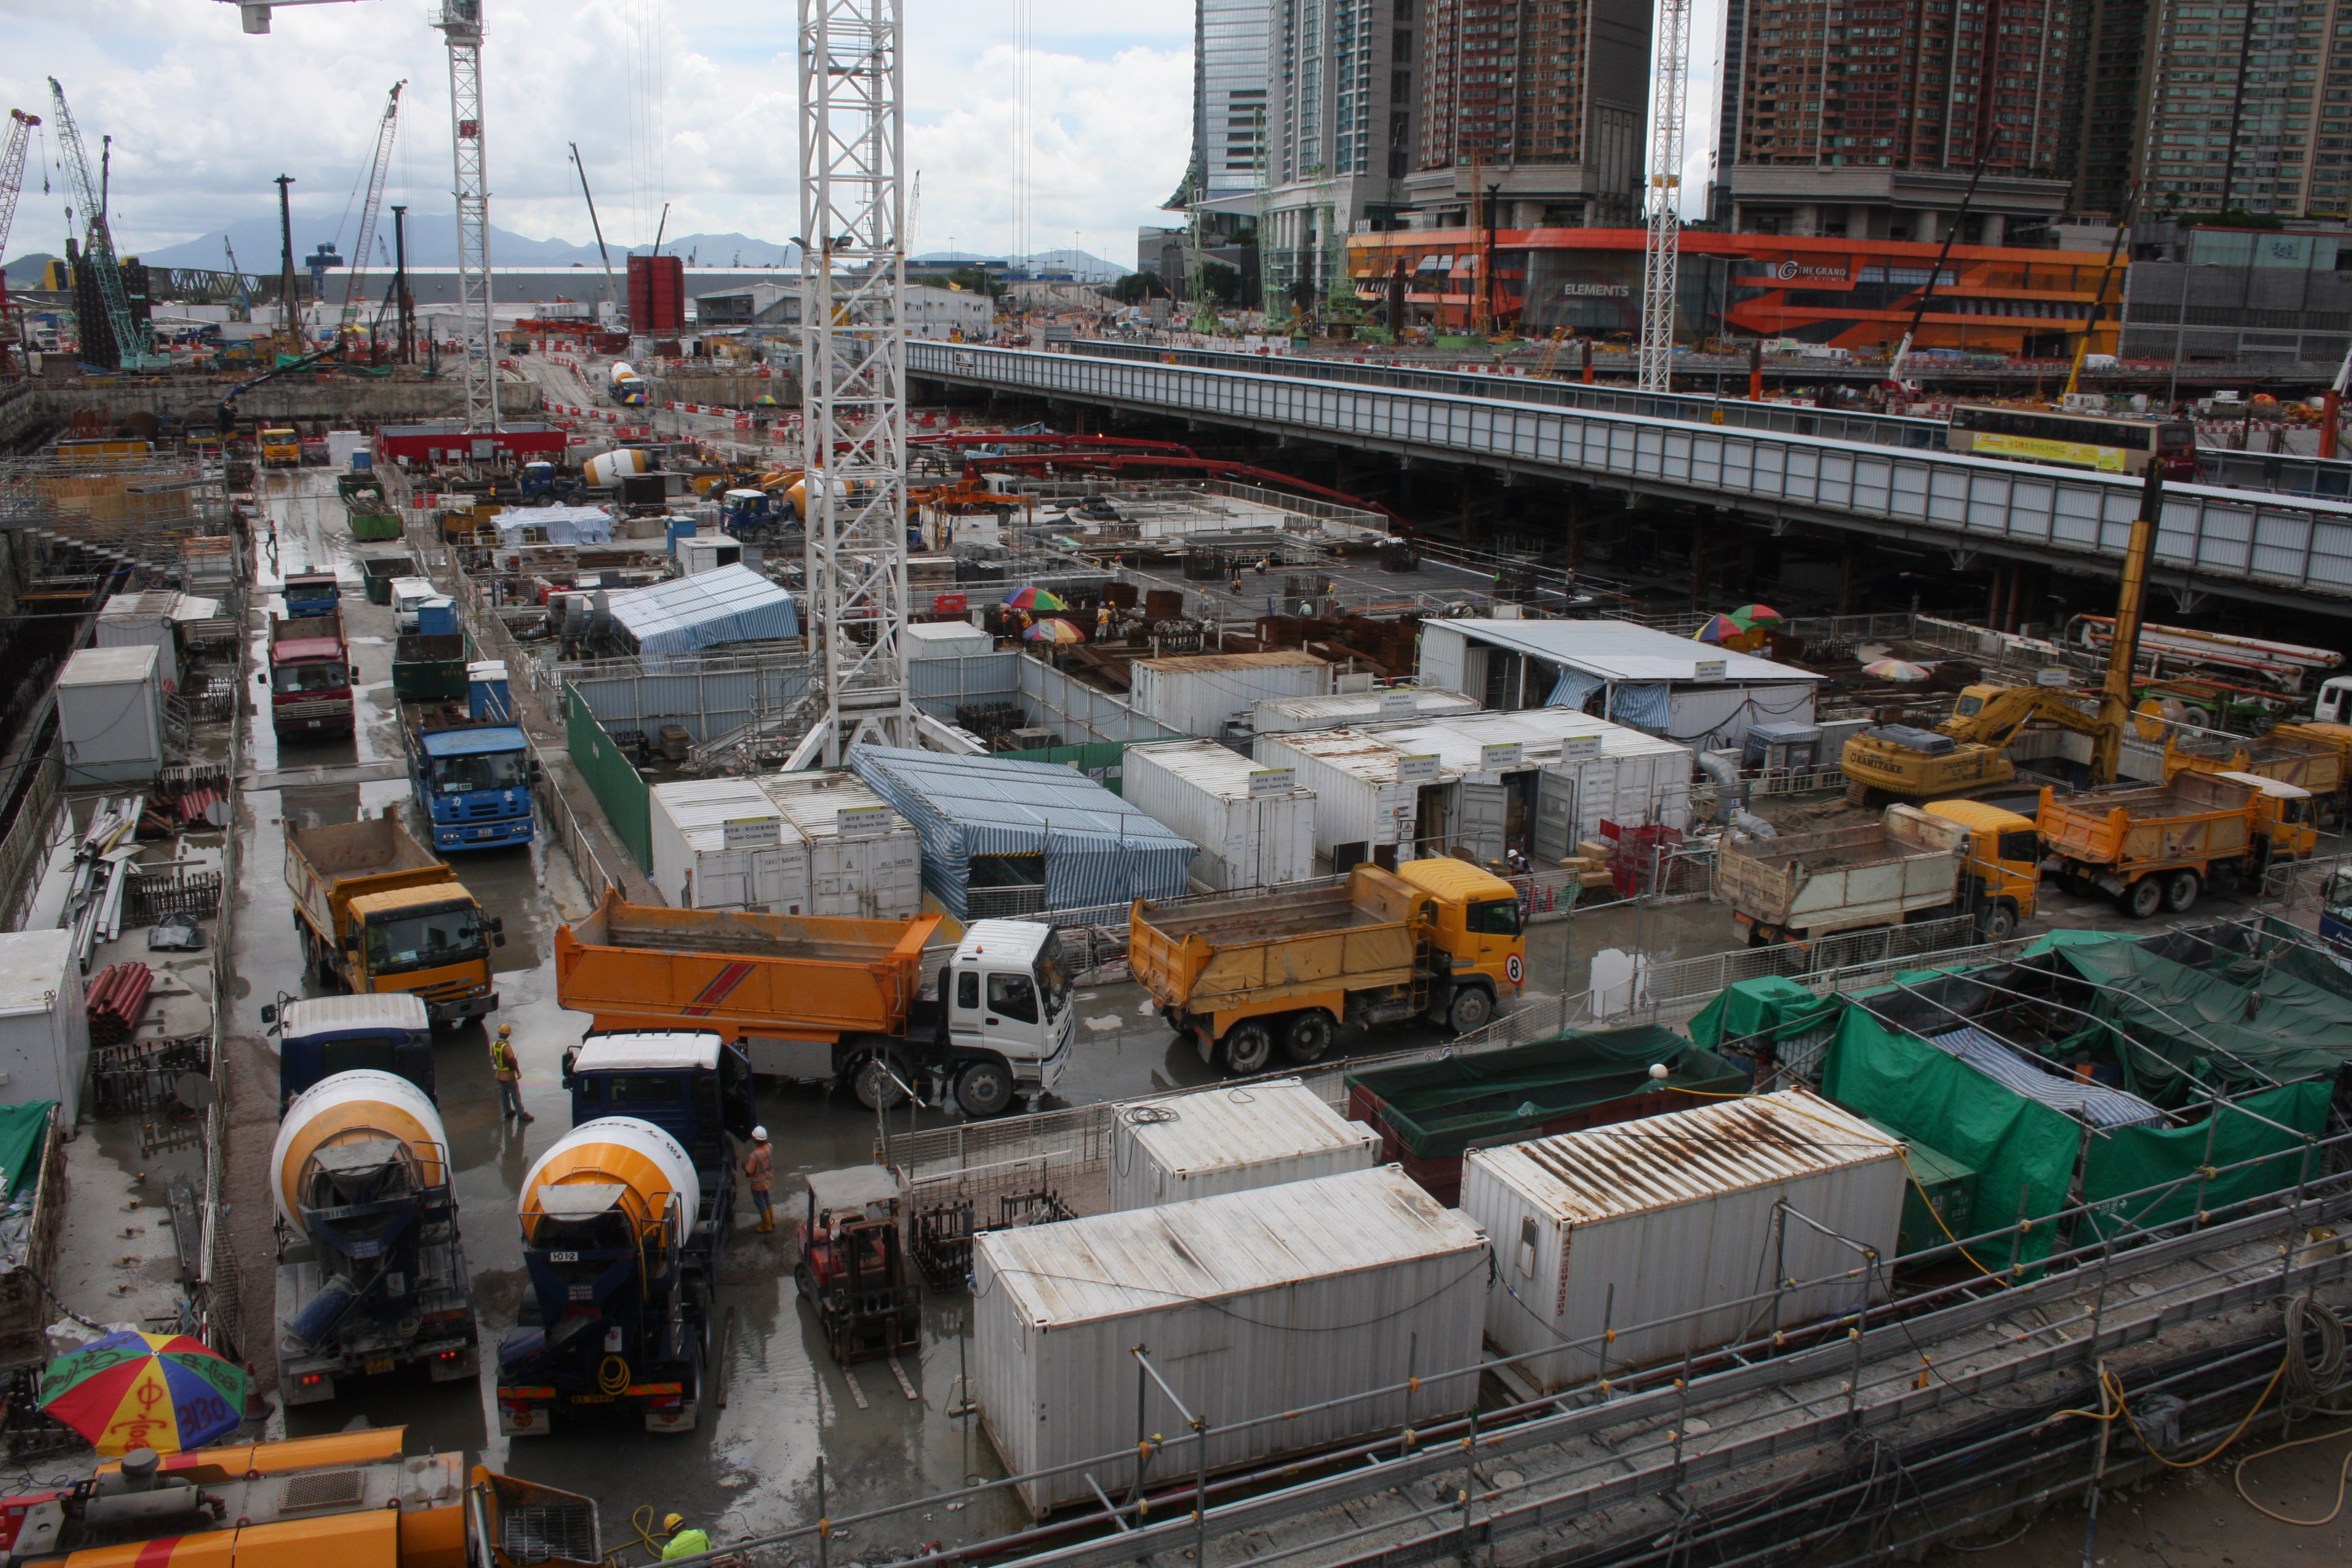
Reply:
x=1967, y=755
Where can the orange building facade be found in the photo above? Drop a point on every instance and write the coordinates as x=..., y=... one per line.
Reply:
x=1856, y=294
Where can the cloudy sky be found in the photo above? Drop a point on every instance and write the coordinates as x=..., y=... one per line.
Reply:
x=690, y=104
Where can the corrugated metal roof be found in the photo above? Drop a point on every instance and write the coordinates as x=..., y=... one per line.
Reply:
x=1144, y=1260
x=1350, y=750
x=1214, y=1129
x=1220, y=770
x=733, y=603
x=813, y=802
x=1358, y=707
x=1370, y=752
x=664, y=1050
x=32, y=966
x=1197, y=663
x=1685, y=1155
x=111, y=665
x=1620, y=650
x=380, y=1010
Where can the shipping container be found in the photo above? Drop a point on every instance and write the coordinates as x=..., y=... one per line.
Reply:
x=149, y=619
x=1362, y=809
x=865, y=860
x=1218, y=1140
x=721, y=843
x=656, y=295
x=44, y=1031
x=1286, y=715
x=944, y=640
x=110, y=715
x=1249, y=1305
x=1202, y=693
x=1255, y=825
x=1618, y=1227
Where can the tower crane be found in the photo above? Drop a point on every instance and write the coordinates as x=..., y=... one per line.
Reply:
x=355, y=280
x=1661, y=252
x=460, y=26
x=854, y=377
x=12, y=178
x=130, y=344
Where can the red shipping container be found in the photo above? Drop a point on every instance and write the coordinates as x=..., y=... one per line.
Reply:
x=657, y=294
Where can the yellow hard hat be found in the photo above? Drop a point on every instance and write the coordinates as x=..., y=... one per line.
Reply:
x=671, y=1525
x=505, y=1030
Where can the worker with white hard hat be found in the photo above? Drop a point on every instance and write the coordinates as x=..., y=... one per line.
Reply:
x=760, y=1168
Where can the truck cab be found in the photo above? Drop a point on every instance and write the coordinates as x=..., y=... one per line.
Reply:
x=432, y=942
x=1478, y=925
x=537, y=479
x=472, y=782
x=2286, y=815
x=409, y=595
x=1007, y=1015
x=688, y=1082
x=2000, y=868
x=2333, y=703
x=311, y=594
x=2336, y=913
x=280, y=448
x=319, y=1036
x=746, y=512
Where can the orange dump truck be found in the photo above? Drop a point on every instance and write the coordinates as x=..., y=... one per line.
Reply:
x=833, y=1000
x=2155, y=848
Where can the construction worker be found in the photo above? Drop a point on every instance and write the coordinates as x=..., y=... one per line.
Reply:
x=759, y=1169
x=509, y=1076
x=682, y=1542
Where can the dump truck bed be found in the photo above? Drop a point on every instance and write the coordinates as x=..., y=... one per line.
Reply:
x=2195, y=818
x=1345, y=936
x=1818, y=883
x=303, y=628
x=794, y=976
x=327, y=867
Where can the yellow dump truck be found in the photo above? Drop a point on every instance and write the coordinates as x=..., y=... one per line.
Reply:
x=377, y=911
x=1245, y=975
x=280, y=448
x=2154, y=848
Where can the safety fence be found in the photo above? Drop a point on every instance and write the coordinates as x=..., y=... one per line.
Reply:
x=219, y=1296
x=25, y=851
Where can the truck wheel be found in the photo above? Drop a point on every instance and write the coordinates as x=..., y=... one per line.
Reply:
x=1471, y=1007
x=874, y=1087
x=1308, y=1037
x=2180, y=891
x=1997, y=923
x=2142, y=899
x=984, y=1089
x=1246, y=1048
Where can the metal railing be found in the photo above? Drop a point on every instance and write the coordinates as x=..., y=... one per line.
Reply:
x=25, y=848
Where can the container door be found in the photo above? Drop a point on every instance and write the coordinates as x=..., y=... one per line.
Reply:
x=1479, y=819
x=1556, y=834
x=722, y=879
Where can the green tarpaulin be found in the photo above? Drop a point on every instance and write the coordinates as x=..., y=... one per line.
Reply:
x=1772, y=1005
x=23, y=1129
x=2135, y=1159
x=2175, y=1023
x=2018, y=1146
x=1436, y=1109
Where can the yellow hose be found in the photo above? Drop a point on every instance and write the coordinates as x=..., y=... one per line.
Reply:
x=612, y=1375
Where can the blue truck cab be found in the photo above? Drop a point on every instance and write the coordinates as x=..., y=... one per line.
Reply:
x=748, y=513
x=319, y=1037
x=311, y=594
x=2336, y=913
x=537, y=479
x=685, y=1081
x=471, y=778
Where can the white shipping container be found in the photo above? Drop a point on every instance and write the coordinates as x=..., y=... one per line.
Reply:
x=721, y=843
x=944, y=640
x=44, y=1032
x=1251, y=833
x=867, y=867
x=1283, y=715
x=1574, y=770
x=342, y=444
x=1201, y=693
x=1217, y=1140
x=148, y=619
x=1676, y=1214
x=1250, y=1305
x=1360, y=808
x=110, y=715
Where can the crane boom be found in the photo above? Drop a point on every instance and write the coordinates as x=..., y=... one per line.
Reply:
x=12, y=178
x=97, y=245
x=355, y=280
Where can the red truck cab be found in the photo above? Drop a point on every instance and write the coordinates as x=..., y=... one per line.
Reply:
x=309, y=676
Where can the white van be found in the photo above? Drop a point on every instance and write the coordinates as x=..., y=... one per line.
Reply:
x=408, y=595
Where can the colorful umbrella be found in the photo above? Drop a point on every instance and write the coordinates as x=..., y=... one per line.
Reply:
x=764, y=400
x=1753, y=615
x=165, y=1391
x=1896, y=669
x=1032, y=599
x=1054, y=631
x=1719, y=628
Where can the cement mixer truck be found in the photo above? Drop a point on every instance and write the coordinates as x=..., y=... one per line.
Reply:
x=371, y=1275
x=628, y=387
x=624, y=1224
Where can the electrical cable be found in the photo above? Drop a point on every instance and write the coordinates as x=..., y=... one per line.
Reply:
x=2343, y=1478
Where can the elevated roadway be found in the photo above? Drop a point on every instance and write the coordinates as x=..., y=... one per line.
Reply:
x=2244, y=543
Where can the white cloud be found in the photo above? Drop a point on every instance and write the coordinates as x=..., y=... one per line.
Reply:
x=204, y=115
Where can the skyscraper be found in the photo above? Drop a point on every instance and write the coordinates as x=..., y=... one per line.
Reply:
x=1231, y=54
x=2232, y=112
x=1868, y=119
x=1542, y=102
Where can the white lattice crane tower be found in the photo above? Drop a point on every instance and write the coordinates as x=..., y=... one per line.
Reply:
x=1662, y=255
x=854, y=371
x=461, y=23
x=12, y=180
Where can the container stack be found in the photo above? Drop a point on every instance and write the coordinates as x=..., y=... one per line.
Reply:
x=1255, y=825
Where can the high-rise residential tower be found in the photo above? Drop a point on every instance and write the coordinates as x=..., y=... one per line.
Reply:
x=2238, y=108
x=1868, y=118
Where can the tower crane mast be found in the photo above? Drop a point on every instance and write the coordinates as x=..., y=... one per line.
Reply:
x=1661, y=252
x=98, y=247
x=355, y=280
x=12, y=180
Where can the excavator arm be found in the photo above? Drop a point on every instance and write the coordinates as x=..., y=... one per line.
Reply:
x=333, y=351
x=1992, y=715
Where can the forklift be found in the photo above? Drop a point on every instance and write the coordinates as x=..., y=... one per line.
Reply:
x=853, y=1267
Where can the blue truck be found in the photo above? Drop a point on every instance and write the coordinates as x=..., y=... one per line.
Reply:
x=471, y=774
x=311, y=594
x=2335, y=912
x=319, y=1037
x=625, y=1221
